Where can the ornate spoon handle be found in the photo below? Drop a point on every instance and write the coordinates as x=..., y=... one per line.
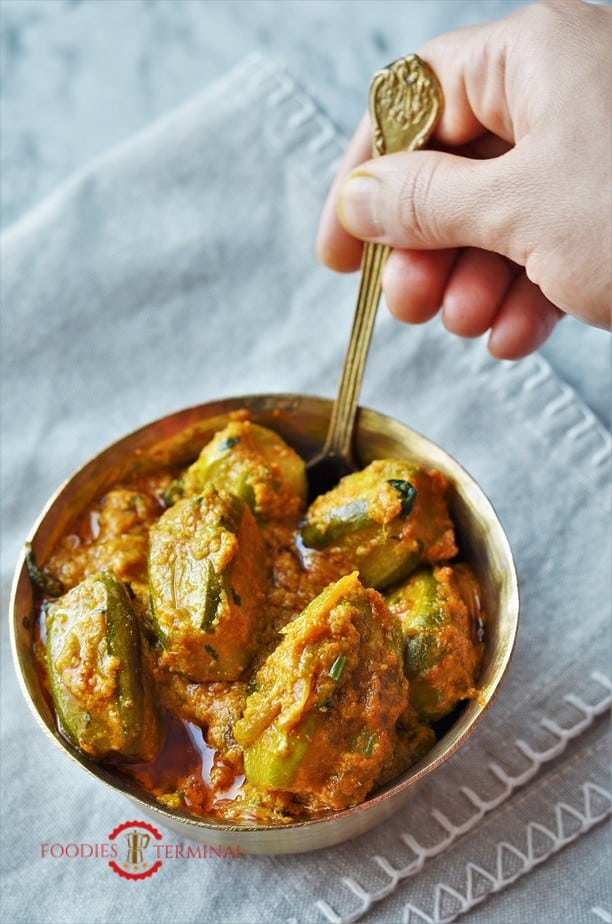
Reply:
x=405, y=104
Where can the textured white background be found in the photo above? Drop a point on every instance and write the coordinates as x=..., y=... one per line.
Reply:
x=80, y=75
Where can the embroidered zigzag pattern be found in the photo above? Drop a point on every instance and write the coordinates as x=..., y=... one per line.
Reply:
x=511, y=862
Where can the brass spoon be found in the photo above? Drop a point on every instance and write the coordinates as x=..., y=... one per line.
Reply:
x=405, y=105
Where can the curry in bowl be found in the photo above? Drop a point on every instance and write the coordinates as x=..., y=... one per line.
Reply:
x=245, y=657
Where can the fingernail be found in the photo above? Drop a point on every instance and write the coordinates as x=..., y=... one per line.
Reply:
x=358, y=205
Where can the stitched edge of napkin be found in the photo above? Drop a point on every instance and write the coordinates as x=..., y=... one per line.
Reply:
x=592, y=806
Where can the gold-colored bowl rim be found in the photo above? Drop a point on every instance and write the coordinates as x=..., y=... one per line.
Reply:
x=302, y=420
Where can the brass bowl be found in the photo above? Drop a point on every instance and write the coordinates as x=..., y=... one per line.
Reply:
x=302, y=421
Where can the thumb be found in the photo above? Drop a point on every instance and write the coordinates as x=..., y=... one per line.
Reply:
x=426, y=200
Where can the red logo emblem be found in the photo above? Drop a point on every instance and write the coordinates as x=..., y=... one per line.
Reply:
x=136, y=843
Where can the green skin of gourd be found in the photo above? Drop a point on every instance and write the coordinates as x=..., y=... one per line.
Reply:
x=207, y=608
x=388, y=550
x=256, y=465
x=275, y=758
x=433, y=633
x=127, y=723
x=304, y=742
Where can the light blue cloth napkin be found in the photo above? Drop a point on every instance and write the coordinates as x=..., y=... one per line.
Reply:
x=180, y=268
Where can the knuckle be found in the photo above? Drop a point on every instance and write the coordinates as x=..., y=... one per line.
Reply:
x=416, y=218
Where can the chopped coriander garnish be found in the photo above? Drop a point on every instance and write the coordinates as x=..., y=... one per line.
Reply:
x=337, y=668
x=406, y=491
x=369, y=745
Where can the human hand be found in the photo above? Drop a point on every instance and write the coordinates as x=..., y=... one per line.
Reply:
x=508, y=224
